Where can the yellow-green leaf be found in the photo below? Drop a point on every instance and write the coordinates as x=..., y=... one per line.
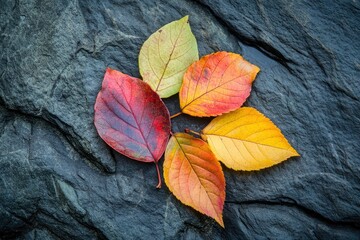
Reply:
x=194, y=175
x=165, y=56
x=247, y=140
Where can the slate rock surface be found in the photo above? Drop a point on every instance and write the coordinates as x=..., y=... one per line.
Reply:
x=59, y=180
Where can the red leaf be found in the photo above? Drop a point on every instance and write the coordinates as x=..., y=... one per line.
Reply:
x=131, y=117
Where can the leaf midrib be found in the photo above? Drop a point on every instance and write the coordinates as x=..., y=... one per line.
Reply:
x=232, y=138
x=183, y=151
x=213, y=89
x=137, y=123
x=167, y=63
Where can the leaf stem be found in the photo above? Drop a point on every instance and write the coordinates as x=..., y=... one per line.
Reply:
x=187, y=130
x=158, y=174
x=175, y=115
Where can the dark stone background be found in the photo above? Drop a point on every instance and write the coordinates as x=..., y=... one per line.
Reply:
x=58, y=180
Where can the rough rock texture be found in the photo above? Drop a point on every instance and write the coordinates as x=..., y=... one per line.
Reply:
x=59, y=180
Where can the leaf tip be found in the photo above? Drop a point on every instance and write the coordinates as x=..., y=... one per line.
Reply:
x=109, y=70
x=185, y=18
x=255, y=72
x=220, y=221
x=257, y=69
x=295, y=153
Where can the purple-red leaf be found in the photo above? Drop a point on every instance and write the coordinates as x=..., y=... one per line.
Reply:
x=131, y=117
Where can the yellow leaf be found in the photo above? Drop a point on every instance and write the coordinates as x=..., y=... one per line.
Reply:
x=247, y=140
x=165, y=56
x=194, y=175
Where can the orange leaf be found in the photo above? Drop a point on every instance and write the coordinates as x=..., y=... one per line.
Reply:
x=216, y=84
x=247, y=140
x=194, y=176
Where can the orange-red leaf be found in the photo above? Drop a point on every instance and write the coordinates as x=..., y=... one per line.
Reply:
x=131, y=117
x=216, y=84
x=194, y=176
x=247, y=140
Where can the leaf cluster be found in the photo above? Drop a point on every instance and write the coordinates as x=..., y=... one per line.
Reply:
x=131, y=117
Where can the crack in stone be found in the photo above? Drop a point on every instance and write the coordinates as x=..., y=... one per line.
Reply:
x=71, y=136
x=293, y=204
x=265, y=48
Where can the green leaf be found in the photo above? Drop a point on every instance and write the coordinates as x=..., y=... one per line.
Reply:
x=165, y=56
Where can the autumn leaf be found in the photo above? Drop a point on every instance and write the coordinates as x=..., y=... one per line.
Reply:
x=131, y=118
x=194, y=175
x=216, y=84
x=165, y=56
x=247, y=140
